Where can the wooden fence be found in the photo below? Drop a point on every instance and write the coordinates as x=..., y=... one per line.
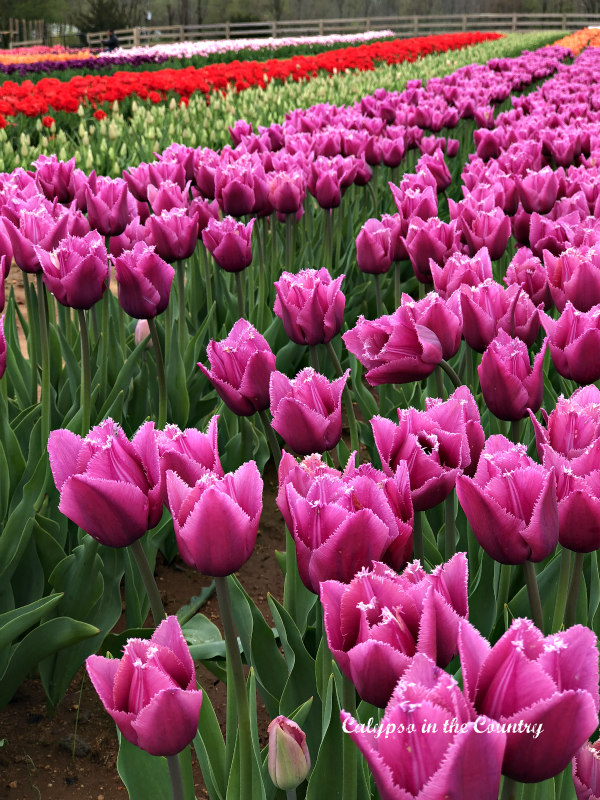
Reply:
x=401, y=26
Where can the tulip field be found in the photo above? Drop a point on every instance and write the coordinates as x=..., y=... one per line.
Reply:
x=355, y=278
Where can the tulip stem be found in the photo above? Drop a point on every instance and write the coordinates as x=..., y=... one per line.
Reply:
x=533, y=592
x=509, y=789
x=233, y=655
x=373, y=194
x=104, y=335
x=45, y=342
x=571, y=609
x=378, y=301
x=176, y=778
x=562, y=590
x=354, y=441
x=156, y=605
x=181, y=324
x=240, y=294
x=350, y=753
x=86, y=379
x=271, y=438
x=160, y=374
x=289, y=241
x=515, y=431
x=32, y=339
x=450, y=527
x=212, y=328
x=418, y=549
x=314, y=356
x=328, y=240
x=450, y=373
x=439, y=382
x=397, y=284
x=290, y=794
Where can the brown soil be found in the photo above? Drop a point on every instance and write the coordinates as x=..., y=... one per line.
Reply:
x=37, y=761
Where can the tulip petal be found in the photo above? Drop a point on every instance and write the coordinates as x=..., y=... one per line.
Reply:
x=169, y=722
x=63, y=449
x=375, y=669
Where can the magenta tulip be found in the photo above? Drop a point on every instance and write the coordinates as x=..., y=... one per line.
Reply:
x=362, y=513
x=510, y=504
x=76, y=272
x=377, y=623
x=538, y=190
x=151, y=691
x=428, y=745
x=310, y=304
x=167, y=196
x=374, y=247
x=144, y=281
x=393, y=348
x=108, y=485
x=240, y=369
x=436, y=314
x=35, y=228
x=307, y=411
x=586, y=771
x=216, y=519
x=228, y=242
x=574, y=341
x=574, y=275
x=461, y=269
x=107, y=206
x=573, y=426
x=510, y=385
x=55, y=178
x=287, y=190
x=430, y=239
x=527, y=271
x=543, y=691
x=174, y=234
x=2, y=348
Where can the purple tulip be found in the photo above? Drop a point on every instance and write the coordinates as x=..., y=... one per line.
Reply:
x=54, y=177
x=510, y=504
x=538, y=190
x=173, y=233
x=574, y=341
x=310, y=304
x=287, y=190
x=543, y=691
x=76, y=272
x=489, y=229
x=461, y=269
x=307, y=411
x=362, y=513
x=436, y=314
x=228, y=242
x=430, y=239
x=289, y=759
x=510, y=385
x=435, y=443
x=36, y=228
x=489, y=308
x=428, y=745
x=586, y=771
x=374, y=247
x=137, y=180
x=527, y=271
x=134, y=232
x=168, y=196
x=393, y=348
x=108, y=485
x=241, y=186
x=151, y=691
x=377, y=623
x=144, y=281
x=240, y=369
x=574, y=276
x=437, y=167
x=107, y=206
x=573, y=426
x=216, y=519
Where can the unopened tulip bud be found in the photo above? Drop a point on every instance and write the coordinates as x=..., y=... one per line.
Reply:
x=289, y=760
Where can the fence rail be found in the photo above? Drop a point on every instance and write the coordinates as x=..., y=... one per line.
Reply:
x=27, y=32
x=401, y=26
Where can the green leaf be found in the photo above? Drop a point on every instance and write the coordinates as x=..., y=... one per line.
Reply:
x=123, y=378
x=325, y=777
x=204, y=638
x=147, y=777
x=210, y=750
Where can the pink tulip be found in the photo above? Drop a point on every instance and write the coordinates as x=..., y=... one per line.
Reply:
x=574, y=341
x=544, y=690
x=228, y=242
x=54, y=177
x=289, y=759
x=434, y=313
x=311, y=305
x=144, y=281
x=377, y=623
x=510, y=385
x=574, y=275
x=216, y=519
x=538, y=190
x=586, y=771
x=527, y=271
x=151, y=691
x=362, y=513
x=287, y=190
x=76, y=272
x=451, y=754
x=374, y=247
x=34, y=228
x=174, y=234
x=510, y=504
x=461, y=269
x=107, y=206
x=167, y=196
x=430, y=240
x=393, y=348
x=307, y=411
x=108, y=485
x=240, y=369
x=2, y=348
x=573, y=426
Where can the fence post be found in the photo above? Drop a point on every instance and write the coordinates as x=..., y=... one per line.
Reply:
x=564, y=22
x=136, y=37
x=513, y=25
x=368, y=24
x=321, y=28
x=464, y=22
x=416, y=24
x=227, y=30
x=274, y=29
